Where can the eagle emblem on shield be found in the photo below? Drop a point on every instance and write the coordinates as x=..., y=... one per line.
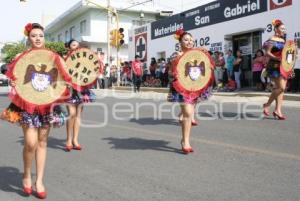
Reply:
x=193, y=72
x=40, y=79
x=288, y=59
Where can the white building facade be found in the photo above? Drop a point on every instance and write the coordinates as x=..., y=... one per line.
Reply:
x=88, y=24
x=219, y=25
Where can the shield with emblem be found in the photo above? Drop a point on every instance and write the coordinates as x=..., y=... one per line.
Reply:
x=83, y=68
x=193, y=72
x=38, y=82
x=288, y=58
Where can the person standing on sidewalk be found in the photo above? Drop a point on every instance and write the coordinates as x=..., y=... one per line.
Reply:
x=153, y=67
x=274, y=47
x=295, y=84
x=237, y=68
x=107, y=77
x=229, y=64
x=217, y=69
x=137, y=72
x=257, y=67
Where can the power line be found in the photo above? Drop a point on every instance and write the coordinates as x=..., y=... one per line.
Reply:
x=135, y=5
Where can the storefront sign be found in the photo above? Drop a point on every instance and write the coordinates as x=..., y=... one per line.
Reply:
x=212, y=13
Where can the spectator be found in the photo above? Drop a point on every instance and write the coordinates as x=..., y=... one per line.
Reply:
x=153, y=67
x=223, y=69
x=165, y=76
x=162, y=69
x=125, y=73
x=237, y=67
x=231, y=84
x=107, y=76
x=100, y=81
x=219, y=69
x=229, y=64
x=137, y=72
x=258, y=65
x=295, y=82
x=113, y=75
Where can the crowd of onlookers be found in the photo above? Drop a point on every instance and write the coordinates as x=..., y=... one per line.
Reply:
x=229, y=73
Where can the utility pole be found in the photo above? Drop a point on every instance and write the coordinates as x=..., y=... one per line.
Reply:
x=118, y=53
x=108, y=31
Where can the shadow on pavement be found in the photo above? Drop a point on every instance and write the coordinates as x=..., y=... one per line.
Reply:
x=11, y=180
x=152, y=121
x=141, y=144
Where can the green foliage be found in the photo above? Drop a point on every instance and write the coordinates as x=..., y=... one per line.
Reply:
x=11, y=50
x=58, y=47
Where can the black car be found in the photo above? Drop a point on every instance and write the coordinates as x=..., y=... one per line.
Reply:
x=3, y=78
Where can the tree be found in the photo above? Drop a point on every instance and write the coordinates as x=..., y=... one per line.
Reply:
x=58, y=47
x=10, y=50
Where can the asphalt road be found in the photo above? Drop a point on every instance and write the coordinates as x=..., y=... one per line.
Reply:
x=131, y=152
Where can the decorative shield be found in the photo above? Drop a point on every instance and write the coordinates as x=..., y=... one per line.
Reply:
x=193, y=72
x=38, y=82
x=83, y=68
x=288, y=58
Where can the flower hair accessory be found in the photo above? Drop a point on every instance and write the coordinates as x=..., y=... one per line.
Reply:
x=178, y=34
x=276, y=22
x=27, y=29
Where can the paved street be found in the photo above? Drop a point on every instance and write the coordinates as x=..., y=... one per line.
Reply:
x=239, y=156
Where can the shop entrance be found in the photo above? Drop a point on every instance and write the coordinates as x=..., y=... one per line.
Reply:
x=248, y=43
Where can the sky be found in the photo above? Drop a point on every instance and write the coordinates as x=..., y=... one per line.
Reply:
x=14, y=15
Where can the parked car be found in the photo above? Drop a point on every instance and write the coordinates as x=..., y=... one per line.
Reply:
x=3, y=78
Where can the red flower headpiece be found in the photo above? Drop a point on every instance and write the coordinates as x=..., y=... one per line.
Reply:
x=178, y=34
x=276, y=22
x=27, y=29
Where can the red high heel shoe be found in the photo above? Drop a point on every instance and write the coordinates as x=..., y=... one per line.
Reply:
x=186, y=150
x=68, y=148
x=194, y=123
x=266, y=113
x=279, y=117
x=78, y=147
x=41, y=195
x=191, y=150
x=27, y=191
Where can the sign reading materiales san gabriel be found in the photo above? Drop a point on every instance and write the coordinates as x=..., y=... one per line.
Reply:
x=212, y=13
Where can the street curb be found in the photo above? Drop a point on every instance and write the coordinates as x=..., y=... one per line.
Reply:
x=287, y=96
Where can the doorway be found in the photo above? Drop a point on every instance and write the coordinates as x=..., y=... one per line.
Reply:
x=248, y=43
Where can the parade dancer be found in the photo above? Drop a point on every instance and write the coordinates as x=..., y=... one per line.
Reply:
x=75, y=107
x=35, y=126
x=274, y=47
x=187, y=105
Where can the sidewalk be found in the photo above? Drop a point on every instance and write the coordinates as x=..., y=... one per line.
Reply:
x=242, y=93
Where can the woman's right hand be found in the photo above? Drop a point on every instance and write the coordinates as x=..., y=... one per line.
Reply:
x=12, y=83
